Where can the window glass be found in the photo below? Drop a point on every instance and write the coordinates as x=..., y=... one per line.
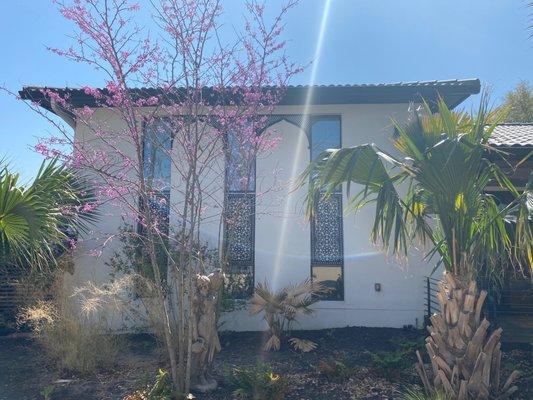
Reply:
x=156, y=155
x=332, y=278
x=241, y=165
x=325, y=134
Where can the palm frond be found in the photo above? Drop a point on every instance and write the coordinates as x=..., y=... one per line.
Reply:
x=445, y=162
x=34, y=218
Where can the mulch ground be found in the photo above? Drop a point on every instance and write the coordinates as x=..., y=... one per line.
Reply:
x=25, y=371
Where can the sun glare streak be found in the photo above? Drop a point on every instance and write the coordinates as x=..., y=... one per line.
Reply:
x=290, y=201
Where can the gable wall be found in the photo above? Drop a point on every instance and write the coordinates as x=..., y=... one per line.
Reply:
x=282, y=234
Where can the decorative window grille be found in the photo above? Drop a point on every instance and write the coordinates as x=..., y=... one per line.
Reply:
x=327, y=230
x=240, y=219
x=327, y=253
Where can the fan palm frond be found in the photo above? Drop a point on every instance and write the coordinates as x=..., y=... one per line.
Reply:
x=445, y=163
x=283, y=307
x=34, y=219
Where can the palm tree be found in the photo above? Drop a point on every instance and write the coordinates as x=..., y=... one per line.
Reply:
x=436, y=192
x=36, y=220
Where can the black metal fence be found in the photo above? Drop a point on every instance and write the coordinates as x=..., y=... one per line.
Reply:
x=431, y=304
x=512, y=306
x=10, y=297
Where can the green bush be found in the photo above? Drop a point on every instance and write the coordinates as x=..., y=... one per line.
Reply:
x=414, y=395
x=390, y=364
x=335, y=369
x=258, y=382
x=161, y=389
x=411, y=346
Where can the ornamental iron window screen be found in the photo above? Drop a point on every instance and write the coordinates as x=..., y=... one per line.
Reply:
x=240, y=219
x=327, y=252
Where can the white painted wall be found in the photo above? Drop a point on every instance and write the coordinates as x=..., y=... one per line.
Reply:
x=282, y=234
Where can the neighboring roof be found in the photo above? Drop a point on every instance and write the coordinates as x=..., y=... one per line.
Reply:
x=513, y=135
x=452, y=91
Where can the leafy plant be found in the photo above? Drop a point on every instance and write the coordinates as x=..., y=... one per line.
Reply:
x=519, y=103
x=414, y=395
x=47, y=392
x=335, y=369
x=390, y=364
x=160, y=390
x=281, y=310
x=38, y=221
x=259, y=382
x=447, y=165
x=410, y=346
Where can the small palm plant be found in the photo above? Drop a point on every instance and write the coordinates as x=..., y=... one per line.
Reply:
x=445, y=167
x=283, y=308
x=34, y=218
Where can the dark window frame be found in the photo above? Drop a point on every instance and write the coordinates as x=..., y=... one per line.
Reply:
x=167, y=192
x=338, y=193
x=236, y=194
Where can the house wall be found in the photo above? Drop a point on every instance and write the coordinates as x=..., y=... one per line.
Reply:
x=282, y=234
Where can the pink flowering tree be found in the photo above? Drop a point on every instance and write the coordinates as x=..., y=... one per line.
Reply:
x=157, y=138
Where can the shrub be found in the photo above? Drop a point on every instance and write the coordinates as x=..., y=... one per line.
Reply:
x=335, y=369
x=414, y=395
x=258, y=382
x=69, y=335
x=411, y=346
x=160, y=390
x=47, y=392
x=390, y=364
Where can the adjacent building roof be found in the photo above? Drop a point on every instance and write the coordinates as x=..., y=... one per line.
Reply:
x=452, y=91
x=513, y=135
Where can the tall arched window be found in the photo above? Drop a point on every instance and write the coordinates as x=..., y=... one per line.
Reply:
x=240, y=217
x=157, y=144
x=327, y=254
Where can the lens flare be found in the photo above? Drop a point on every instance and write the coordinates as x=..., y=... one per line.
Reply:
x=290, y=201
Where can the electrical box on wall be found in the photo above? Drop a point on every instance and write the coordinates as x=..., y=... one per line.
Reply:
x=377, y=287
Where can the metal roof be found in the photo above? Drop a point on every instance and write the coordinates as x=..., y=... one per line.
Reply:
x=452, y=91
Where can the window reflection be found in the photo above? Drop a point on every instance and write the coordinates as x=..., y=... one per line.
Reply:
x=331, y=277
x=241, y=165
x=156, y=155
x=325, y=134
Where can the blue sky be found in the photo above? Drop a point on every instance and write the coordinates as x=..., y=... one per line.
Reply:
x=366, y=41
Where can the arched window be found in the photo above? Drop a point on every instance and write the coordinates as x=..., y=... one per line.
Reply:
x=240, y=217
x=327, y=254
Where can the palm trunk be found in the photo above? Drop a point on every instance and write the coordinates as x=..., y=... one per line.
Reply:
x=465, y=360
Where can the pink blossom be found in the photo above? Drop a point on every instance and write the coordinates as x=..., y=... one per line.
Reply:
x=88, y=207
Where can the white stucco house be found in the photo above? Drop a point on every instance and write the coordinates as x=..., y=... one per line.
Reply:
x=276, y=243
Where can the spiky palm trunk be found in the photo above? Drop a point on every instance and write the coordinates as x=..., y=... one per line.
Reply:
x=465, y=360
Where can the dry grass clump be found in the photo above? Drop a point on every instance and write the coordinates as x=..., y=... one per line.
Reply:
x=70, y=330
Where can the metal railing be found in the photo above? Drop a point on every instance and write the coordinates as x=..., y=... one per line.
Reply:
x=431, y=304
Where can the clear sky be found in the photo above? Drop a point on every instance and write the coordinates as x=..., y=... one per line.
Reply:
x=365, y=41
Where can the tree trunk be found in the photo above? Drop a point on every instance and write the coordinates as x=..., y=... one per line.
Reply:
x=465, y=360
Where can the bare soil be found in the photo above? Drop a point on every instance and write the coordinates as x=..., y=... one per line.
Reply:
x=25, y=371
